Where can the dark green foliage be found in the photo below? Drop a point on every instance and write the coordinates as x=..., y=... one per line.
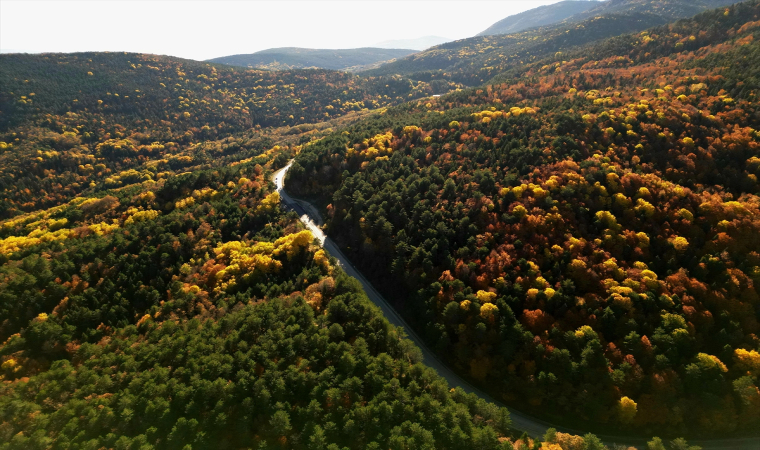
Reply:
x=268, y=372
x=125, y=340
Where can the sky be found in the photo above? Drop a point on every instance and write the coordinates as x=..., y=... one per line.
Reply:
x=206, y=29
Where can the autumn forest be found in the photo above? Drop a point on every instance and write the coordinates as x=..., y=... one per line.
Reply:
x=568, y=217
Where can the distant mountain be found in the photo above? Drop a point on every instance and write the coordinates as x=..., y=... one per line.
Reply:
x=475, y=60
x=573, y=11
x=287, y=58
x=537, y=17
x=667, y=9
x=418, y=44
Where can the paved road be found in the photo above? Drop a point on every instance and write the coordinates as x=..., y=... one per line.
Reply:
x=523, y=422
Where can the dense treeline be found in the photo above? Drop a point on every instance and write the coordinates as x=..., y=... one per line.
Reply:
x=138, y=86
x=581, y=235
x=194, y=313
x=70, y=120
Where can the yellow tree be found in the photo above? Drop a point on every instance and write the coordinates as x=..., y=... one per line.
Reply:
x=627, y=409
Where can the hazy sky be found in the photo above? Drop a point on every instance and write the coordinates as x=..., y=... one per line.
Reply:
x=205, y=29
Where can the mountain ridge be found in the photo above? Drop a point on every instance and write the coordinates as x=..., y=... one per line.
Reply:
x=285, y=58
x=541, y=16
x=475, y=60
x=420, y=43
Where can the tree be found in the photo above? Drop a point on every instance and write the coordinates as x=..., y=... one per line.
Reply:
x=592, y=442
x=317, y=440
x=627, y=410
x=550, y=436
x=656, y=444
x=681, y=444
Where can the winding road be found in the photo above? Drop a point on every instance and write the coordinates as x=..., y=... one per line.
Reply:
x=311, y=218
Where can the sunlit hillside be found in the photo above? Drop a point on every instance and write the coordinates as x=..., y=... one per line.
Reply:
x=580, y=236
x=475, y=60
x=68, y=121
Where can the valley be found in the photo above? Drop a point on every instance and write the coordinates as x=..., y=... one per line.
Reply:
x=546, y=239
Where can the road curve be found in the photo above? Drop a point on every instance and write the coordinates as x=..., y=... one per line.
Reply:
x=311, y=218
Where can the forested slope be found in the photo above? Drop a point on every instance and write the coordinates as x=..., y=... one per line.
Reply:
x=194, y=313
x=670, y=9
x=69, y=120
x=580, y=237
x=475, y=60
x=582, y=234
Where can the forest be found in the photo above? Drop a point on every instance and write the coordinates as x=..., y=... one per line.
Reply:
x=166, y=300
x=196, y=312
x=72, y=122
x=578, y=237
x=581, y=235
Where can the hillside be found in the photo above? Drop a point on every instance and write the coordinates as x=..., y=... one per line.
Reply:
x=537, y=17
x=195, y=312
x=476, y=60
x=578, y=237
x=581, y=235
x=287, y=58
x=178, y=306
x=72, y=122
x=420, y=43
x=669, y=9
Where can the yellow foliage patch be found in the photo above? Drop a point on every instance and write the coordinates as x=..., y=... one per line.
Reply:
x=711, y=361
x=269, y=203
x=321, y=259
x=103, y=228
x=585, y=331
x=627, y=409
x=485, y=297
x=519, y=211
x=748, y=360
x=644, y=207
x=141, y=216
x=680, y=243
x=14, y=244
x=488, y=311
x=577, y=264
x=245, y=260
x=380, y=145
x=607, y=218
